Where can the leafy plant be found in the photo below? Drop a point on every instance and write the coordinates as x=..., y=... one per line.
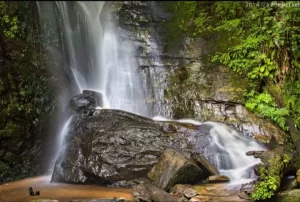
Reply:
x=265, y=189
x=259, y=43
x=26, y=94
x=264, y=105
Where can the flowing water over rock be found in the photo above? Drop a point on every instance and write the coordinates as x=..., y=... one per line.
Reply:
x=98, y=59
x=227, y=150
x=95, y=57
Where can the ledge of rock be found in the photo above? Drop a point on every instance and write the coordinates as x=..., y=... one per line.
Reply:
x=218, y=178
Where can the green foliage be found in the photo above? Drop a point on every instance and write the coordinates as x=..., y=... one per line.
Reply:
x=260, y=43
x=269, y=176
x=9, y=21
x=26, y=93
x=265, y=189
x=291, y=98
x=265, y=105
x=286, y=159
x=19, y=171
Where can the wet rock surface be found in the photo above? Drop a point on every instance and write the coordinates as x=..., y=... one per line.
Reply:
x=289, y=196
x=172, y=168
x=180, y=83
x=111, y=146
x=246, y=190
x=146, y=191
x=205, y=165
x=86, y=101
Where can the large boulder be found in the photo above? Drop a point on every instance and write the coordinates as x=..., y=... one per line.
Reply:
x=113, y=146
x=173, y=168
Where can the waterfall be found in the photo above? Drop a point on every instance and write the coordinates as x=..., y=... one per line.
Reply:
x=97, y=58
x=91, y=55
x=227, y=150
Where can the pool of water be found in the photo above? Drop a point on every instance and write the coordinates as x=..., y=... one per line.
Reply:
x=18, y=191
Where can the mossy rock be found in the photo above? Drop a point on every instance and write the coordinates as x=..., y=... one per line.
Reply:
x=289, y=196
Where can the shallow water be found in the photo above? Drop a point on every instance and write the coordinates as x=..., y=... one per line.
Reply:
x=218, y=192
x=18, y=191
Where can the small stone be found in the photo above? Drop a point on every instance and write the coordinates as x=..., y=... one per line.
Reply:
x=218, y=178
x=183, y=190
x=248, y=188
x=139, y=191
x=199, y=199
x=121, y=199
x=244, y=195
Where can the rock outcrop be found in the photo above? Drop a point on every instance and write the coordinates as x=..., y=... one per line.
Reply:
x=218, y=178
x=173, y=168
x=114, y=146
x=289, y=196
x=208, y=168
x=145, y=191
x=86, y=101
x=180, y=82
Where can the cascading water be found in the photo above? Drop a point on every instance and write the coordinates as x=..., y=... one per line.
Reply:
x=94, y=57
x=98, y=59
x=227, y=150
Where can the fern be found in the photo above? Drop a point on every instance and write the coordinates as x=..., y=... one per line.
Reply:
x=264, y=105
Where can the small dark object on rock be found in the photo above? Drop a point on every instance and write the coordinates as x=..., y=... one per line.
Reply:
x=31, y=191
x=37, y=193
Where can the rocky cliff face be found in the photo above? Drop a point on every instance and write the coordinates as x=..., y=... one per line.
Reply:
x=180, y=83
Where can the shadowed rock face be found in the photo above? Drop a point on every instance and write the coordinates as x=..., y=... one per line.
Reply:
x=109, y=146
x=173, y=168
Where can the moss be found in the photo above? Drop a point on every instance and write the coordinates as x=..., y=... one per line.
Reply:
x=270, y=173
x=289, y=196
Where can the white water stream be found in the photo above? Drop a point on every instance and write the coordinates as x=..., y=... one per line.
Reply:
x=227, y=150
x=100, y=60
